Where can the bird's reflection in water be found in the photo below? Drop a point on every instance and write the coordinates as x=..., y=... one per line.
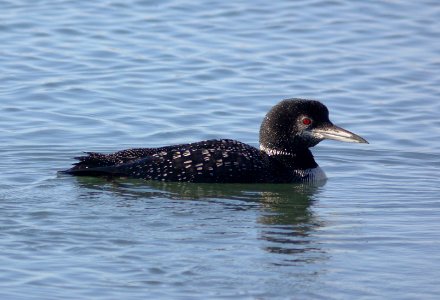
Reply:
x=290, y=223
x=287, y=220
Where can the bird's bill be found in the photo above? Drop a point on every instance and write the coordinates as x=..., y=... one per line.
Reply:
x=333, y=132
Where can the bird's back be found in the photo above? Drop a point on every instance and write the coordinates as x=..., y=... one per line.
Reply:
x=207, y=161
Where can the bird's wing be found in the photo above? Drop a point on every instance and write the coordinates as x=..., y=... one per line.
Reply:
x=208, y=161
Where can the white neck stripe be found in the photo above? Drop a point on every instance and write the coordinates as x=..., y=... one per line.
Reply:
x=271, y=152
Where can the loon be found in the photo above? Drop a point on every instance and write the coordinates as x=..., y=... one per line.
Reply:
x=287, y=132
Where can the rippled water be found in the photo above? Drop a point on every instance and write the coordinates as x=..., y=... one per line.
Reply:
x=108, y=75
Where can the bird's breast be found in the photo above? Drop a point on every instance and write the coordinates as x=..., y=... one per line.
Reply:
x=310, y=175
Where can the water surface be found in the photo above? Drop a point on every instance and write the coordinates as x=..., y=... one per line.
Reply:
x=88, y=76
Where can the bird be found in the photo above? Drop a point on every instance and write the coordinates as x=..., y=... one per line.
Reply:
x=286, y=133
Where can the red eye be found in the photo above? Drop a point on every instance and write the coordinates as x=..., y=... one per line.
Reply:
x=307, y=121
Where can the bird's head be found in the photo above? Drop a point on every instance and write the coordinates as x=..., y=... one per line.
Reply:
x=295, y=124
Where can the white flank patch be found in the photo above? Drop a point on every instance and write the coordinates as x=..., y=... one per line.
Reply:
x=310, y=175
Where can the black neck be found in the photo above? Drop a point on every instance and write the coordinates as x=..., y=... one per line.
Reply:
x=299, y=159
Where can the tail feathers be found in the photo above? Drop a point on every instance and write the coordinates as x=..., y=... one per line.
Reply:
x=108, y=171
x=97, y=164
x=93, y=159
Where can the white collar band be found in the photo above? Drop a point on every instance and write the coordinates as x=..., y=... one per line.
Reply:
x=272, y=152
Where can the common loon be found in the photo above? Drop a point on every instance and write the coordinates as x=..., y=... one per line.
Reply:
x=287, y=132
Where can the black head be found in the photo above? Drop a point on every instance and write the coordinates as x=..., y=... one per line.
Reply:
x=295, y=124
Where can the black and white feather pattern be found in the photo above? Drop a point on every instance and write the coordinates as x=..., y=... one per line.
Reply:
x=207, y=161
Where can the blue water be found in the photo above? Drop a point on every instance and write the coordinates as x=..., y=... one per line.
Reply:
x=109, y=75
